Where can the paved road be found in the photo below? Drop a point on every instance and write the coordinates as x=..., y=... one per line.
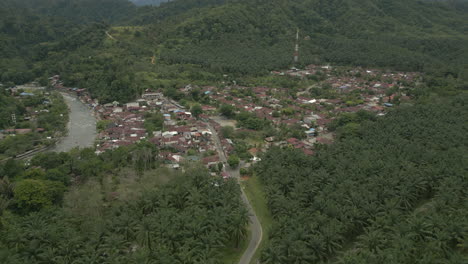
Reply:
x=81, y=127
x=256, y=227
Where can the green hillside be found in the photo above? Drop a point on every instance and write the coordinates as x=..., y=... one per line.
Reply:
x=255, y=36
x=80, y=11
x=148, y=2
x=208, y=38
x=390, y=188
x=395, y=193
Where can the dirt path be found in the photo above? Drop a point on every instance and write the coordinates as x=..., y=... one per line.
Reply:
x=110, y=36
x=224, y=121
x=256, y=227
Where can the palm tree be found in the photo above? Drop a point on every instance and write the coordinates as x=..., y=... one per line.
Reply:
x=372, y=240
x=316, y=245
x=271, y=255
x=407, y=198
x=125, y=224
x=113, y=245
x=238, y=226
x=195, y=198
x=3, y=205
x=420, y=229
x=299, y=253
x=185, y=255
x=143, y=233
x=49, y=255
x=6, y=187
x=331, y=237
x=9, y=256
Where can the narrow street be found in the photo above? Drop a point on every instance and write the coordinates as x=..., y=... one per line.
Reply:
x=255, y=226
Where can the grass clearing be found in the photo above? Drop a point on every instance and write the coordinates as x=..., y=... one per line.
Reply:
x=256, y=195
x=129, y=186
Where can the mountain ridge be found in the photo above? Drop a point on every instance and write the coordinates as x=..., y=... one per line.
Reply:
x=149, y=2
x=209, y=38
x=404, y=26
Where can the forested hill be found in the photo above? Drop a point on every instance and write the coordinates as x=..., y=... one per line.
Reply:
x=256, y=35
x=393, y=193
x=31, y=29
x=82, y=11
x=208, y=38
x=148, y=2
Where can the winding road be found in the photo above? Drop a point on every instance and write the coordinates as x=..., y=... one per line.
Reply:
x=81, y=126
x=256, y=227
x=82, y=133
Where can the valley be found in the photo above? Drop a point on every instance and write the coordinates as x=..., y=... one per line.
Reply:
x=233, y=131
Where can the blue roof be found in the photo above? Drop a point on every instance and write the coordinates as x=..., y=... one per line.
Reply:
x=312, y=129
x=193, y=158
x=207, y=92
x=166, y=115
x=26, y=94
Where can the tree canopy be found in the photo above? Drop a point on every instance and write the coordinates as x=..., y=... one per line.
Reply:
x=193, y=218
x=119, y=53
x=397, y=184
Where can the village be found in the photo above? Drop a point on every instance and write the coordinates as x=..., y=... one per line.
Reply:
x=33, y=119
x=247, y=120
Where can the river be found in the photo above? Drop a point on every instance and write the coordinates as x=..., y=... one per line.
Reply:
x=81, y=126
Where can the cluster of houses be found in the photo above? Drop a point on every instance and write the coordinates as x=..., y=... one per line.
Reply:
x=368, y=88
x=124, y=124
x=185, y=137
x=31, y=114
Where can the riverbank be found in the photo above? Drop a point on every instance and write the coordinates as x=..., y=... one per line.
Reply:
x=39, y=119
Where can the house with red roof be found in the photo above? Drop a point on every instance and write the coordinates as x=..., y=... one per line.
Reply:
x=322, y=140
x=211, y=161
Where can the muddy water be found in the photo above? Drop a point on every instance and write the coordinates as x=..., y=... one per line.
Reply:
x=81, y=127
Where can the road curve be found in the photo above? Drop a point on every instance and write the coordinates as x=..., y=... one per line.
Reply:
x=81, y=126
x=256, y=227
x=255, y=230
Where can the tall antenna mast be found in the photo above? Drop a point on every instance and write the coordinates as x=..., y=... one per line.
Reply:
x=296, y=49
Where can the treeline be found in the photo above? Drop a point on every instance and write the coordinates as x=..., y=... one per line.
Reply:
x=43, y=38
x=148, y=2
x=189, y=41
x=394, y=192
x=114, y=208
x=257, y=36
x=79, y=11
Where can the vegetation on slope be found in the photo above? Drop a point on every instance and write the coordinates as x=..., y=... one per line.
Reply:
x=148, y=2
x=188, y=41
x=396, y=185
x=376, y=194
x=79, y=11
x=255, y=36
x=115, y=210
x=42, y=117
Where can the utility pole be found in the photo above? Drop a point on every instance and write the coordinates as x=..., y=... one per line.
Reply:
x=296, y=49
x=13, y=118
